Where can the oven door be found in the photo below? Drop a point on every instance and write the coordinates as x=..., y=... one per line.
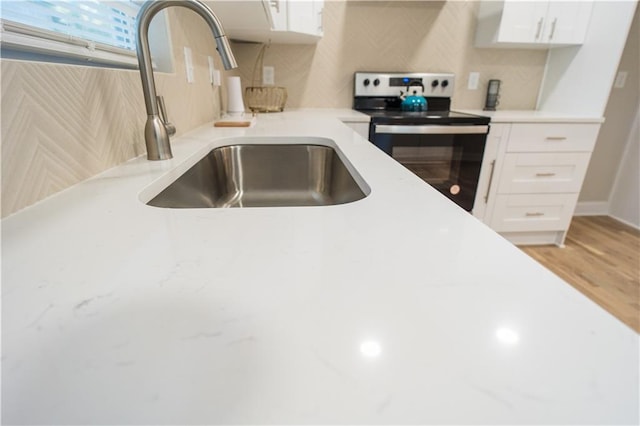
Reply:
x=448, y=157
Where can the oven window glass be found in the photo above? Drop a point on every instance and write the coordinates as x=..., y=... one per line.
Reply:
x=434, y=164
x=450, y=162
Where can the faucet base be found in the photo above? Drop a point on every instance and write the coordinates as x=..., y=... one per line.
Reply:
x=157, y=139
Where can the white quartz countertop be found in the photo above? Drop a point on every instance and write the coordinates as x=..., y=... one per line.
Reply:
x=398, y=308
x=530, y=116
x=499, y=116
x=342, y=114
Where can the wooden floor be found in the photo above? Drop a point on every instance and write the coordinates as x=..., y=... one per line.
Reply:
x=602, y=260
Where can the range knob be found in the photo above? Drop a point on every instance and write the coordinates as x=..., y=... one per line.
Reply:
x=445, y=83
x=366, y=82
x=435, y=83
x=376, y=82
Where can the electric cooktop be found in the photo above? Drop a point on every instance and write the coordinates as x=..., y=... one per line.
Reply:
x=425, y=117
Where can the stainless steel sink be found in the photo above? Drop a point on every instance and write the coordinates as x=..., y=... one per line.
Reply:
x=264, y=175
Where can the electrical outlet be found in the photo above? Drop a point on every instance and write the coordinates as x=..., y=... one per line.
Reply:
x=214, y=75
x=188, y=64
x=217, y=79
x=621, y=80
x=268, y=76
x=474, y=78
x=212, y=69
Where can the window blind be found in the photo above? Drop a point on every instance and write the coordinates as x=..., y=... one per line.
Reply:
x=92, y=28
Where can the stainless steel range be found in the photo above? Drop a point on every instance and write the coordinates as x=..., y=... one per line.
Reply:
x=441, y=146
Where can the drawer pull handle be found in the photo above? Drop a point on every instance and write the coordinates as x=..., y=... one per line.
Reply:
x=553, y=28
x=493, y=169
x=556, y=138
x=539, y=29
x=545, y=174
x=536, y=214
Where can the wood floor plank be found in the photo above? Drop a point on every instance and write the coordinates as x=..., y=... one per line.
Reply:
x=602, y=260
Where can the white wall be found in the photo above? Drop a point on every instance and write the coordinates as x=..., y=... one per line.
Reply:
x=578, y=79
x=625, y=197
x=612, y=149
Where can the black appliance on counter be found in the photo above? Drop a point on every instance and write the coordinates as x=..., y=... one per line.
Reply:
x=441, y=146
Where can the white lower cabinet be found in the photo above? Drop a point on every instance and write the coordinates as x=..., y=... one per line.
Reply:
x=498, y=133
x=532, y=212
x=553, y=137
x=537, y=175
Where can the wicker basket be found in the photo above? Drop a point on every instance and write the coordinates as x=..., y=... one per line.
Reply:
x=264, y=98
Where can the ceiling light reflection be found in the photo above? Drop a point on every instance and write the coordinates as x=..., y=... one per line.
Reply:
x=507, y=336
x=370, y=349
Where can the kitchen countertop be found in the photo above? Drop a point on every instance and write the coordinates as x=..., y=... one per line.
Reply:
x=342, y=114
x=398, y=308
x=499, y=116
x=530, y=116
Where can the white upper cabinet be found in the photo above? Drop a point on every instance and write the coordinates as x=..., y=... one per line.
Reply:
x=522, y=22
x=535, y=24
x=305, y=16
x=567, y=22
x=275, y=21
x=278, y=12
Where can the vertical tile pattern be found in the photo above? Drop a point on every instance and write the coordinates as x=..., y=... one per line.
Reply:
x=62, y=124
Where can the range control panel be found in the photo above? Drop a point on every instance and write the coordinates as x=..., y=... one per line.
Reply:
x=391, y=84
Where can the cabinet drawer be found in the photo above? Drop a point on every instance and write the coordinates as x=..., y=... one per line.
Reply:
x=552, y=137
x=543, y=173
x=538, y=212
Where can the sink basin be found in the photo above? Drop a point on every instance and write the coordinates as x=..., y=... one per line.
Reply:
x=264, y=175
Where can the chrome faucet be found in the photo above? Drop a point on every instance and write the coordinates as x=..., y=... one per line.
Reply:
x=158, y=129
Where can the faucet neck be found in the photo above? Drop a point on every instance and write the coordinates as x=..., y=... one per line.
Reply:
x=156, y=136
x=146, y=14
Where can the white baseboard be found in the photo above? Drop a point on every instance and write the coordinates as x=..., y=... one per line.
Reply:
x=599, y=208
x=592, y=208
x=626, y=222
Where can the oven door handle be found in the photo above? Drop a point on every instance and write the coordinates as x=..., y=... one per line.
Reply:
x=430, y=130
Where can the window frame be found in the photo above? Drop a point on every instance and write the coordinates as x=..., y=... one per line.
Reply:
x=22, y=41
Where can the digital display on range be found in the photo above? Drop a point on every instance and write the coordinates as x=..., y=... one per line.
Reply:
x=403, y=81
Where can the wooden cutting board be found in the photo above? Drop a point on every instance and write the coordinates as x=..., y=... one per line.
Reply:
x=235, y=121
x=223, y=123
